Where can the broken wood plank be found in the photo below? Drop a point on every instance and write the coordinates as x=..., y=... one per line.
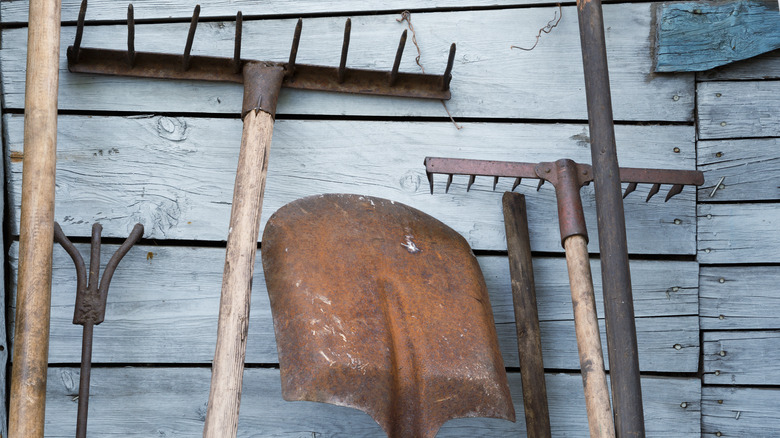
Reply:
x=739, y=297
x=729, y=109
x=698, y=36
x=748, y=170
x=175, y=175
x=143, y=402
x=743, y=234
x=734, y=411
x=548, y=80
x=741, y=358
x=766, y=66
x=162, y=308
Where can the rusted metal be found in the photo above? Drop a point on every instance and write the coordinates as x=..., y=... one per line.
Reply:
x=262, y=92
x=185, y=59
x=90, y=308
x=237, y=43
x=344, y=51
x=397, y=62
x=130, y=36
x=362, y=292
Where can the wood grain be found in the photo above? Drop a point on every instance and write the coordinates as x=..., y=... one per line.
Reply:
x=741, y=358
x=750, y=168
x=490, y=80
x=143, y=402
x=766, y=66
x=735, y=411
x=739, y=297
x=739, y=234
x=175, y=175
x=738, y=109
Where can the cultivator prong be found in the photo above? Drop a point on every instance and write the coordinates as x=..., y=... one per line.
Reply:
x=518, y=171
x=130, y=36
x=237, y=42
x=185, y=58
x=290, y=70
x=344, y=51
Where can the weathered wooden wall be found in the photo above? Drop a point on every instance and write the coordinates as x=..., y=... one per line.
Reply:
x=739, y=142
x=163, y=153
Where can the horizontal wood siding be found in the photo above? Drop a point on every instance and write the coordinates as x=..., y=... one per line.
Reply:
x=766, y=66
x=748, y=170
x=739, y=233
x=734, y=109
x=175, y=175
x=739, y=297
x=741, y=358
x=734, y=411
x=168, y=402
x=490, y=80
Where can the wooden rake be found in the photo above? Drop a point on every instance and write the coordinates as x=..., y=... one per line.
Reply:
x=262, y=82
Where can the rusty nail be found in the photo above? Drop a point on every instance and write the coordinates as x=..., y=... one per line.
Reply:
x=130, y=36
x=344, y=51
x=294, y=48
x=719, y=154
x=397, y=62
x=720, y=402
x=718, y=95
x=237, y=45
x=185, y=60
x=676, y=150
x=717, y=186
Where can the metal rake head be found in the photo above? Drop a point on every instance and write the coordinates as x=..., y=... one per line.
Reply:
x=545, y=171
x=312, y=77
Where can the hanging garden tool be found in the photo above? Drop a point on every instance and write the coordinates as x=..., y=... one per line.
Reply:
x=568, y=177
x=91, y=296
x=262, y=82
x=381, y=307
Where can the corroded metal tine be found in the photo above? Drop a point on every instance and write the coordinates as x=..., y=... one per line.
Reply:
x=675, y=190
x=541, y=183
x=237, y=45
x=447, y=76
x=185, y=60
x=79, y=30
x=653, y=190
x=495, y=182
x=471, y=182
x=130, y=36
x=430, y=180
x=108, y=272
x=75, y=255
x=631, y=187
x=516, y=183
x=449, y=183
x=294, y=52
x=397, y=62
x=344, y=51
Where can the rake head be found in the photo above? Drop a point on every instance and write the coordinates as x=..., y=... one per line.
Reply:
x=545, y=171
x=301, y=76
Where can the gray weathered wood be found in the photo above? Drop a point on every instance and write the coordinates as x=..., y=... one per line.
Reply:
x=3, y=336
x=743, y=233
x=168, y=402
x=162, y=308
x=741, y=358
x=751, y=169
x=175, y=175
x=766, y=66
x=698, y=36
x=747, y=297
x=738, y=109
x=740, y=411
x=489, y=78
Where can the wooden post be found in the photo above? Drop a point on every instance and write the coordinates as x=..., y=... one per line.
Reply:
x=36, y=233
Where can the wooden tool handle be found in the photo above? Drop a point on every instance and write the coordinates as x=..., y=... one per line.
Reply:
x=594, y=378
x=529, y=341
x=228, y=366
x=36, y=233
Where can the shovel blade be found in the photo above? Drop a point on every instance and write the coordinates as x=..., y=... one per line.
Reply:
x=380, y=307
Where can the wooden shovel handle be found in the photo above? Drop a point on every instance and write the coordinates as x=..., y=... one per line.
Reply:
x=228, y=366
x=586, y=324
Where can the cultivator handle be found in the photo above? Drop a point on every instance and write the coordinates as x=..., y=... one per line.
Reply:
x=545, y=171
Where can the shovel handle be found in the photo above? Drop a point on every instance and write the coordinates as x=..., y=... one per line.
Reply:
x=586, y=324
x=228, y=365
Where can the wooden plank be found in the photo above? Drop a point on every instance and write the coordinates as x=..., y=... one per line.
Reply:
x=698, y=36
x=766, y=66
x=548, y=80
x=750, y=168
x=739, y=297
x=743, y=233
x=738, y=109
x=3, y=337
x=143, y=402
x=739, y=411
x=741, y=358
x=162, y=308
x=175, y=175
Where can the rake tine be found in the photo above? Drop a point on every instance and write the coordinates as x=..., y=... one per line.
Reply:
x=430, y=180
x=79, y=30
x=449, y=183
x=397, y=62
x=541, y=183
x=237, y=46
x=294, y=49
x=495, y=182
x=344, y=51
x=653, y=191
x=130, y=36
x=447, y=76
x=471, y=182
x=631, y=187
x=517, y=183
x=676, y=189
x=185, y=60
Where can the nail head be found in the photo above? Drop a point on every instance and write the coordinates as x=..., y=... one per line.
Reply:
x=722, y=123
x=675, y=289
x=677, y=347
x=707, y=250
x=721, y=280
x=717, y=372
x=676, y=98
x=683, y=405
x=721, y=317
x=719, y=154
x=676, y=150
x=722, y=353
x=677, y=221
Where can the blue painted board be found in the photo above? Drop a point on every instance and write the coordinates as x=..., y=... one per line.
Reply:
x=698, y=36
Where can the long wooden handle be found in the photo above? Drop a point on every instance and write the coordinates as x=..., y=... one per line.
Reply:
x=594, y=378
x=529, y=340
x=228, y=367
x=36, y=233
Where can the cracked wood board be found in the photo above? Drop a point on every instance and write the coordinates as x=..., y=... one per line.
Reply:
x=739, y=297
x=750, y=169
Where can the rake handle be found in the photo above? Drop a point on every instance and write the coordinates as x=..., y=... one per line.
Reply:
x=594, y=378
